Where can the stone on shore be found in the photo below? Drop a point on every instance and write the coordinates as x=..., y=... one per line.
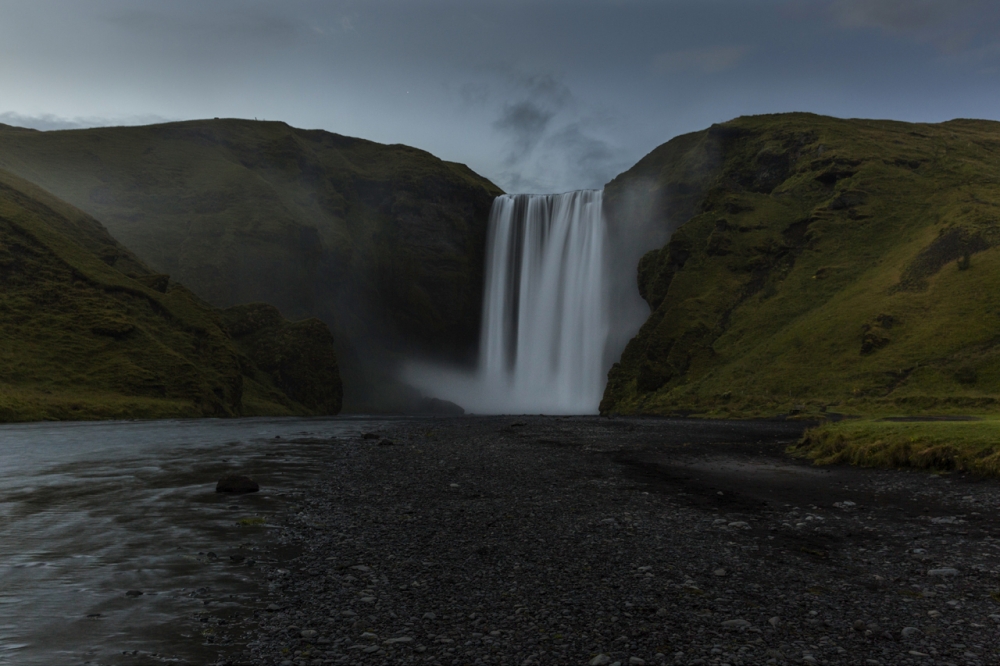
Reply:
x=237, y=484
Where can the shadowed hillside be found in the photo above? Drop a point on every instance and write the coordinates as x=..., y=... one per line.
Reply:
x=817, y=263
x=383, y=243
x=88, y=331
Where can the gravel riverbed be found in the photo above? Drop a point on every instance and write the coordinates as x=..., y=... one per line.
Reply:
x=544, y=540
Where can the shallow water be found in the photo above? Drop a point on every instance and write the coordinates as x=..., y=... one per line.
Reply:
x=91, y=511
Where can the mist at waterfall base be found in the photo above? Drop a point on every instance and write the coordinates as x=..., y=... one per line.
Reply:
x=560, y=302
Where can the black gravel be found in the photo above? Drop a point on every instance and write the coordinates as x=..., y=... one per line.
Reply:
x=599, y=541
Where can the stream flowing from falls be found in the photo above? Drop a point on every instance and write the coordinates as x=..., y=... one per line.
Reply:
x=546, y=315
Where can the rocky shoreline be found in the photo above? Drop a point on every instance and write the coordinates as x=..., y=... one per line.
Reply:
x=541, y=540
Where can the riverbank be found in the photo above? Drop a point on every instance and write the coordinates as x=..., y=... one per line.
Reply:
x=583, y=540
x=943, y=443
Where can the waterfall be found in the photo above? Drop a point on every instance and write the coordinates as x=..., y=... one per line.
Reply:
x=545, y=313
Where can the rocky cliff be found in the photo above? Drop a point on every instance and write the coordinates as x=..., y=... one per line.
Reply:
x=384, y=243
x=816, y=264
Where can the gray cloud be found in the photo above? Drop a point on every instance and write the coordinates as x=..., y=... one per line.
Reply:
x=47, y=121
x=590, y=161
x=952, y=26
x=540, y=95
x=524, y=122
x=253, y=25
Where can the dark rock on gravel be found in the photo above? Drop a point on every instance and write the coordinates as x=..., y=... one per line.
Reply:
x=237, y=484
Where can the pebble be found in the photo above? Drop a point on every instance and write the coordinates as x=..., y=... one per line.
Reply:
x=946, y=571
x=600, y=660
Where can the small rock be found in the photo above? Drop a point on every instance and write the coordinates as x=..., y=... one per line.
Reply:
x=273, y=607
x=719, y=572
x=308, y=633
x=736, y=624
x=386, y=442
x=362, y=568
x=945, y=571
x=369, y=435
x=909, y=632
x=133, y=593
x=367, y=600
x=369, y=636
x=348, y=613
x=237, y=558
x=661, y=612
x=600, y=660
x=740, y=525
x=774, y=621
x=859, y=625
x=400, y=639
x=636, y=661
x=237, y=484
x=430, y=616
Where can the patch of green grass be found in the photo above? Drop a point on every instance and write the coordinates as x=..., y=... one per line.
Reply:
x=252, y=521
x=942, y=446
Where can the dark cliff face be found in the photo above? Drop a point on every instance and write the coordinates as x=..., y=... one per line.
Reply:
x=295, y=357
x=383, y=243
x=815, y=263
x=88, y=331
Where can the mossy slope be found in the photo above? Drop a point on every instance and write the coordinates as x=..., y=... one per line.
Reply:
x=817, y=264
x=88, y=331
x=384, y=243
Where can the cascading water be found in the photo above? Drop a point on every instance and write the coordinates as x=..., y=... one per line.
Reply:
x=545, y=311
x=545, y=315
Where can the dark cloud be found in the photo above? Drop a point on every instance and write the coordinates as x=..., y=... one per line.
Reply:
x=524, y=123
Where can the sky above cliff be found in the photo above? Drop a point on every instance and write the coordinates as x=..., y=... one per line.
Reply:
x=539, y=96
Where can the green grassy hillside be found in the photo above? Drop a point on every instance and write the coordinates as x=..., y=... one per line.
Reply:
x=817, y=265
x=88, y=331
x=383, y=243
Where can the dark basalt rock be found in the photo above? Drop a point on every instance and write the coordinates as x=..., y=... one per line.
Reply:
x=237, y=484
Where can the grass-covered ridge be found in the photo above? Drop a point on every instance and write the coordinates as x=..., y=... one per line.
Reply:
x=818, y=264
x=88, y=331
x=384, y=243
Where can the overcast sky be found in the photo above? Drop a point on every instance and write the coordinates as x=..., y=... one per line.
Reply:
x=539, y=96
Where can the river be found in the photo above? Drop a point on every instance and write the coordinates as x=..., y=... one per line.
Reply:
x=91, y=512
